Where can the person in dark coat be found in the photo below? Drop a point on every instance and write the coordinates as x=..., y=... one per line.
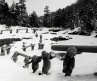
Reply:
x=69, y=61
x=46, y=62
x=35, y=62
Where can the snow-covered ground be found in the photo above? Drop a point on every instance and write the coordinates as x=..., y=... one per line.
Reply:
x=85, y=64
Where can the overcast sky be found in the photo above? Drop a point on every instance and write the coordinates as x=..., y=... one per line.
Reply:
x=39, y=5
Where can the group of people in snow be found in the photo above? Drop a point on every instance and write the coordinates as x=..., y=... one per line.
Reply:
x=68, y=61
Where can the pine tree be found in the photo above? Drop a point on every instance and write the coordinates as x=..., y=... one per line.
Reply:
x=57, y=19
x=14, y=14
x=33, y=19
x=23, y=16
x=1, y=13
x=46, y=19
x=6, y=14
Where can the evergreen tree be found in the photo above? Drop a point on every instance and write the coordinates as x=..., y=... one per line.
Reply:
x=14, y=15
x=46, y=19
x=21, y=10
x=1, y=13
x=57, y=19
x=40, y=19
x=6, y=14
x=33, y=19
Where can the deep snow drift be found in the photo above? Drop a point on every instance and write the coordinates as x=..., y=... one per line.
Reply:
x=85, y=63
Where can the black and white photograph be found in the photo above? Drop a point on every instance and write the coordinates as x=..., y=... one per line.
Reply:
x=48, y=40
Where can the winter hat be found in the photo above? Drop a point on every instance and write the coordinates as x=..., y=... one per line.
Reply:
x=45, y=54
x=71, y=51
x=16, y=52
x=35, y=58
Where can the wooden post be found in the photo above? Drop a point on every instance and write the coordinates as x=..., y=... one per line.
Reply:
x=32, y=46
x=26, y=30
x=17, y=31
x=10, y=31
x=40, y=46
x=1, y=31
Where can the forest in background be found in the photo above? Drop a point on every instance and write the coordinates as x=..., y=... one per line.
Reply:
x=82, y=14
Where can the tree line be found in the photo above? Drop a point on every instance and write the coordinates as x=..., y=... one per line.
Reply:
x=82, y=14
x=16, y=15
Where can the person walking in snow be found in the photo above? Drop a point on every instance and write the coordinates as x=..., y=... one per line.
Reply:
x=69, y=61
x=46, y=62
x=35, y=62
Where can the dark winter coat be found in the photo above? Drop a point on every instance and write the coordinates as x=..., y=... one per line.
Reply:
x=46, y=66
x=46, y=62
x=35, y=63
x=68, y=65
